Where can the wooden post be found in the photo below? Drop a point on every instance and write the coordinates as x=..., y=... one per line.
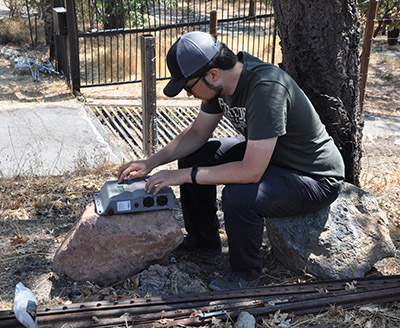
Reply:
x=366, y=51
x=213, y=23
x=149, y=119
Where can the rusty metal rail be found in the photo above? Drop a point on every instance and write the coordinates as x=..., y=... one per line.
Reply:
x=198, y=309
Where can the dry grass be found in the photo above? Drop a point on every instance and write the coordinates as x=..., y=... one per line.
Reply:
x=381, y=156
x=360, y=317
x=17, y=33
x=35, y=214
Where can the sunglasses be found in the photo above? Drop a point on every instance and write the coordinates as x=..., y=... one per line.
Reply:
x=189, y=89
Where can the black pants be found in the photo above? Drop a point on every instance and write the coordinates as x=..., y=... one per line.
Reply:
x=281, y=192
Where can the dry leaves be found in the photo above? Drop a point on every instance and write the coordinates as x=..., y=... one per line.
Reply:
x=18, y=240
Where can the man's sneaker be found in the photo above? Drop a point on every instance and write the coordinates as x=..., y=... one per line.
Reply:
x=189, y=244
x=231, y=281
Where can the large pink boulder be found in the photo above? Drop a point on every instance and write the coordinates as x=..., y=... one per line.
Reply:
x=108, y=249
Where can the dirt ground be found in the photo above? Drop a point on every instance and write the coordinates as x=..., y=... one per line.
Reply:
x=37, y=212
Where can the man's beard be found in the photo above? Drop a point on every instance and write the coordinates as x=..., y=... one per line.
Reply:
x=218, y=91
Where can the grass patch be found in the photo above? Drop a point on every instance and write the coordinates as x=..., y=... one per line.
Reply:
x=16, y=32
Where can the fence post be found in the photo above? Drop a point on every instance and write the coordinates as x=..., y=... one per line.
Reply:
x=366, y=51
x=60, y=32
x=148, y=53
x=73, y=45
x=213, y=23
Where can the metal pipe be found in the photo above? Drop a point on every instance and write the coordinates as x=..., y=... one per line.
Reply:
x=121, y=131
x=96, y=119
x=170, y=26
x=174, y=120
x=133, y=127
x=166, y=119
x=116, y=135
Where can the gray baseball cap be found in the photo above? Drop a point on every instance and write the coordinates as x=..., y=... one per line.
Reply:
x=189, y=54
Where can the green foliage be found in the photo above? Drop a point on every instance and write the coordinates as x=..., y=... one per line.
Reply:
x=132, y=13
x=387, y=16
x=17, y=7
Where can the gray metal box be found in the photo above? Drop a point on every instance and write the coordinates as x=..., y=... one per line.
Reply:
x=130, y=196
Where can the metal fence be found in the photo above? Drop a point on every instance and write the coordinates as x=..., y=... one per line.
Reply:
x=108, y=33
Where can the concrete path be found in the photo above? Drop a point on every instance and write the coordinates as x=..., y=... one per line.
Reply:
x=381, y=125
x=50, y=140
x=4, y=11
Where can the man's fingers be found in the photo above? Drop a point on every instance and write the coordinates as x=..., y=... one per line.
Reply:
x=121, y=171
x=152, y=183
x=121, y=177
x=149, y=186
x=158, y=188
x=123, y=174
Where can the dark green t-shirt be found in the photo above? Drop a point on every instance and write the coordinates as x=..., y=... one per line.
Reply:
x=268, y=103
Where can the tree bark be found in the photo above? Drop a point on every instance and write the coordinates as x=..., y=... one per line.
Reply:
x=115, y=12
x=319, y=40
x=48, y=22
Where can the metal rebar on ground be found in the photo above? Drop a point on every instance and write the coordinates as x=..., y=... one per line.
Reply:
x=198, y=309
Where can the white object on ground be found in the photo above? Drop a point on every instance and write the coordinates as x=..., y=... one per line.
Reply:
x=25, y=306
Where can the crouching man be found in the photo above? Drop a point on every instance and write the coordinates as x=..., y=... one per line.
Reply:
x=282, y=164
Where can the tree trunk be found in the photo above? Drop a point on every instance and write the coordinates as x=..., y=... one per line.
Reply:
x=48, y=22
x=252, y=8
x=115, y=12
x=319, y=40
x=393, y=36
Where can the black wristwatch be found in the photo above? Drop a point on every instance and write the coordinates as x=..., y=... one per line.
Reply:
x=193, y=174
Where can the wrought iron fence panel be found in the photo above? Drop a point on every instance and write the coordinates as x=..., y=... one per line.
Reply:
x=109, y=32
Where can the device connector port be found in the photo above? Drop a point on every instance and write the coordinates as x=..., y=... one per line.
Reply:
x=162, y=200
x=148, y=201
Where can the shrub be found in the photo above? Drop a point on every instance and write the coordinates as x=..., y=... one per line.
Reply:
x=15, y=31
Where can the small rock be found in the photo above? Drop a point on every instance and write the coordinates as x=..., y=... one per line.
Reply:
x=167, y=280
x=245, y=320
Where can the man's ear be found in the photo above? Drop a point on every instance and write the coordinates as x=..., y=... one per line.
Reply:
x=213, y=74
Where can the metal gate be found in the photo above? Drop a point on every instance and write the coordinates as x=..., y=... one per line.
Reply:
x=107, y=33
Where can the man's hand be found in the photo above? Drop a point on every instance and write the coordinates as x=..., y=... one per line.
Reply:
x=132, y=170
x=168, y=178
